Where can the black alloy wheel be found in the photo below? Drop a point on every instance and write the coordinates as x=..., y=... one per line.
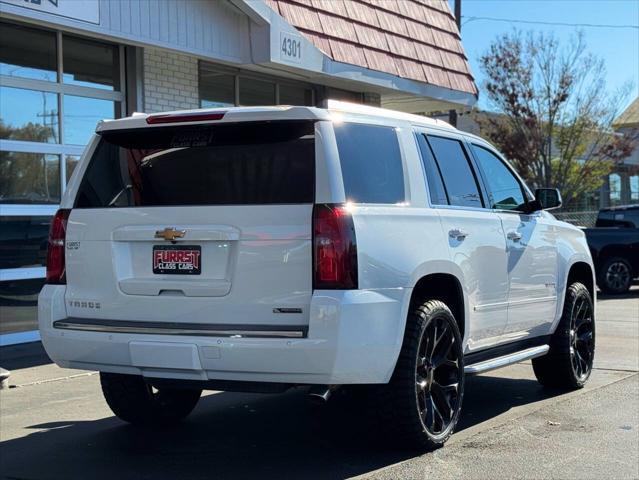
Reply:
x=437, y=376
x=568, y=363
x=421, y=404
x=617, y=276
x=134, y=400
x=582, y=338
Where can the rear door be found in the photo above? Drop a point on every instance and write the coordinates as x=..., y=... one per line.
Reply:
x=475, y=236
x=200, y=225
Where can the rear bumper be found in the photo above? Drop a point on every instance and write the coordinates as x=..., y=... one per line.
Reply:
x=352, y=337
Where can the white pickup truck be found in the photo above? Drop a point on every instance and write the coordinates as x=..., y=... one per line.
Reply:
x=265, y=248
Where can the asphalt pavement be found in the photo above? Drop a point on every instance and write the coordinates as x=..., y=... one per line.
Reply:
x=55, y=424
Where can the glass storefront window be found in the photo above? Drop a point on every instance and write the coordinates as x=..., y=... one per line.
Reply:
x=615, y=189
x=28, y=115
x=54, y=89
x=19, y=305
x=216, y=89
x=29, y=178
x=90, y=64
x=82, y=114
x=256, y=92
x=634, y=189
x=344, y=95
x=23, y=241
x=295, y=95
x=71, y=162
x=27, y=52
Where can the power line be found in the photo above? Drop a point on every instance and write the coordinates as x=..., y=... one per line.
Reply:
x=559, y=24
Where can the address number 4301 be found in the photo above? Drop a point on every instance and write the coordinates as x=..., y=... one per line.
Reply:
x=291, y=47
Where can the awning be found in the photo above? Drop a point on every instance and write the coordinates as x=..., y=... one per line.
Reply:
x=409, y=51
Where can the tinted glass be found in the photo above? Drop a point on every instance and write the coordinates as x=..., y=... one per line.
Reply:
x=216, y=89
x=72, y=162
x=27, y=53
x=504, y=189
x=19, y=305
x=433, y=177
x=618, y=218
x=28, y=115
x=295, y=95
x=90, y=64
x=82, y=114
x=256, y=92
x=233, y=164
x=371, y=163
x=29, y=178
x=459, y=179
x=23, y=241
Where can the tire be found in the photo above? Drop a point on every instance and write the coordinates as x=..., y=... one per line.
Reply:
x=568, y=364
x=133, y=400
x=615, y=276
x=428, y=380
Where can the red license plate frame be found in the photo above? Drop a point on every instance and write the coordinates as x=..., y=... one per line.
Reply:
x=177, y=259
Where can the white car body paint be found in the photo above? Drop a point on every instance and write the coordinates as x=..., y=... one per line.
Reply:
x=263, y=260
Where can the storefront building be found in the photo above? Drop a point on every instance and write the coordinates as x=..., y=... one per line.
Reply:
x=64, y=65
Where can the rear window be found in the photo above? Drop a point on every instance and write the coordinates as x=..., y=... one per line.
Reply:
x=618, y=218
x=371, y=163
x=233, y=164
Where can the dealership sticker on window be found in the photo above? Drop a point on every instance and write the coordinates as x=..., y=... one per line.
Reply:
x=290, y=47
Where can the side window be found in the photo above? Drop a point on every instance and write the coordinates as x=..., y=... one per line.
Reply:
x=433, y=177
x=504, y=189
x=371, y=163
x=459, y=179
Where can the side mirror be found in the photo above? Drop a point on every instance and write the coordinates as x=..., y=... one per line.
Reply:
x=547, y=198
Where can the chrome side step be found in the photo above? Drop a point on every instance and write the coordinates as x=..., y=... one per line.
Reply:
x=503, y=361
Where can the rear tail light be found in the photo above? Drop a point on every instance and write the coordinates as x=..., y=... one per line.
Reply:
x=334, y=248
x=56, y=268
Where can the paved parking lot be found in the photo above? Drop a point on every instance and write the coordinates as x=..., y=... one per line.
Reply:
x=54, y=424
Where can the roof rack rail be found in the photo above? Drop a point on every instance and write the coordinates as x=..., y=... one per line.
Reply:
x=356, y=108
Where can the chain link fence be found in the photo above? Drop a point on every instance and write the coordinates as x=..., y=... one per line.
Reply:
x=581, y=219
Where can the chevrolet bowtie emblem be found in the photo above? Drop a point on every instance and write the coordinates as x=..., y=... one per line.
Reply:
x=170, y=234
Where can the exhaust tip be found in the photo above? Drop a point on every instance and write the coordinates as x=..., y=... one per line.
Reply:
x=322, y=393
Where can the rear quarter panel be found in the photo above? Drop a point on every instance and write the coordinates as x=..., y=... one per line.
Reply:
x=399, y=244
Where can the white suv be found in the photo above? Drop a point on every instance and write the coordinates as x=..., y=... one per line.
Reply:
x=270, y=247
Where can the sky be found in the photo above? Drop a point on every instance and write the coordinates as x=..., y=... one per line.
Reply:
x=619, y=47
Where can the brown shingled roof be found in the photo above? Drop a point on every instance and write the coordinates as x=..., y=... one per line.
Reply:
x=629, y=117
x=415, y=39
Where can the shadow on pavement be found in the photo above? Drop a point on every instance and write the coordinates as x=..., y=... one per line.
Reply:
x=234, y=435
x=604, y=297
x=27, y=355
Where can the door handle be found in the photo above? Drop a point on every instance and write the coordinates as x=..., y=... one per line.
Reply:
x=514, y=236
x=457, y=234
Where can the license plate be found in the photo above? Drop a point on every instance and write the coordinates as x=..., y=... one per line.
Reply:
x=177, y=259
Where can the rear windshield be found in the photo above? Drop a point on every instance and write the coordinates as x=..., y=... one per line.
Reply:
x=233, y=164
x=628, y=218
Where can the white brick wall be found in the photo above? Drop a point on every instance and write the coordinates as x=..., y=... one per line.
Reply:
x=170, y=81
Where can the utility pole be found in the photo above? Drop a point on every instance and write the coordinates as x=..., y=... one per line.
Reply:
x=452, y=114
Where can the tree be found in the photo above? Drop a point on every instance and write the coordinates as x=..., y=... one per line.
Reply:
x=28, y=177
x=555, y=121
